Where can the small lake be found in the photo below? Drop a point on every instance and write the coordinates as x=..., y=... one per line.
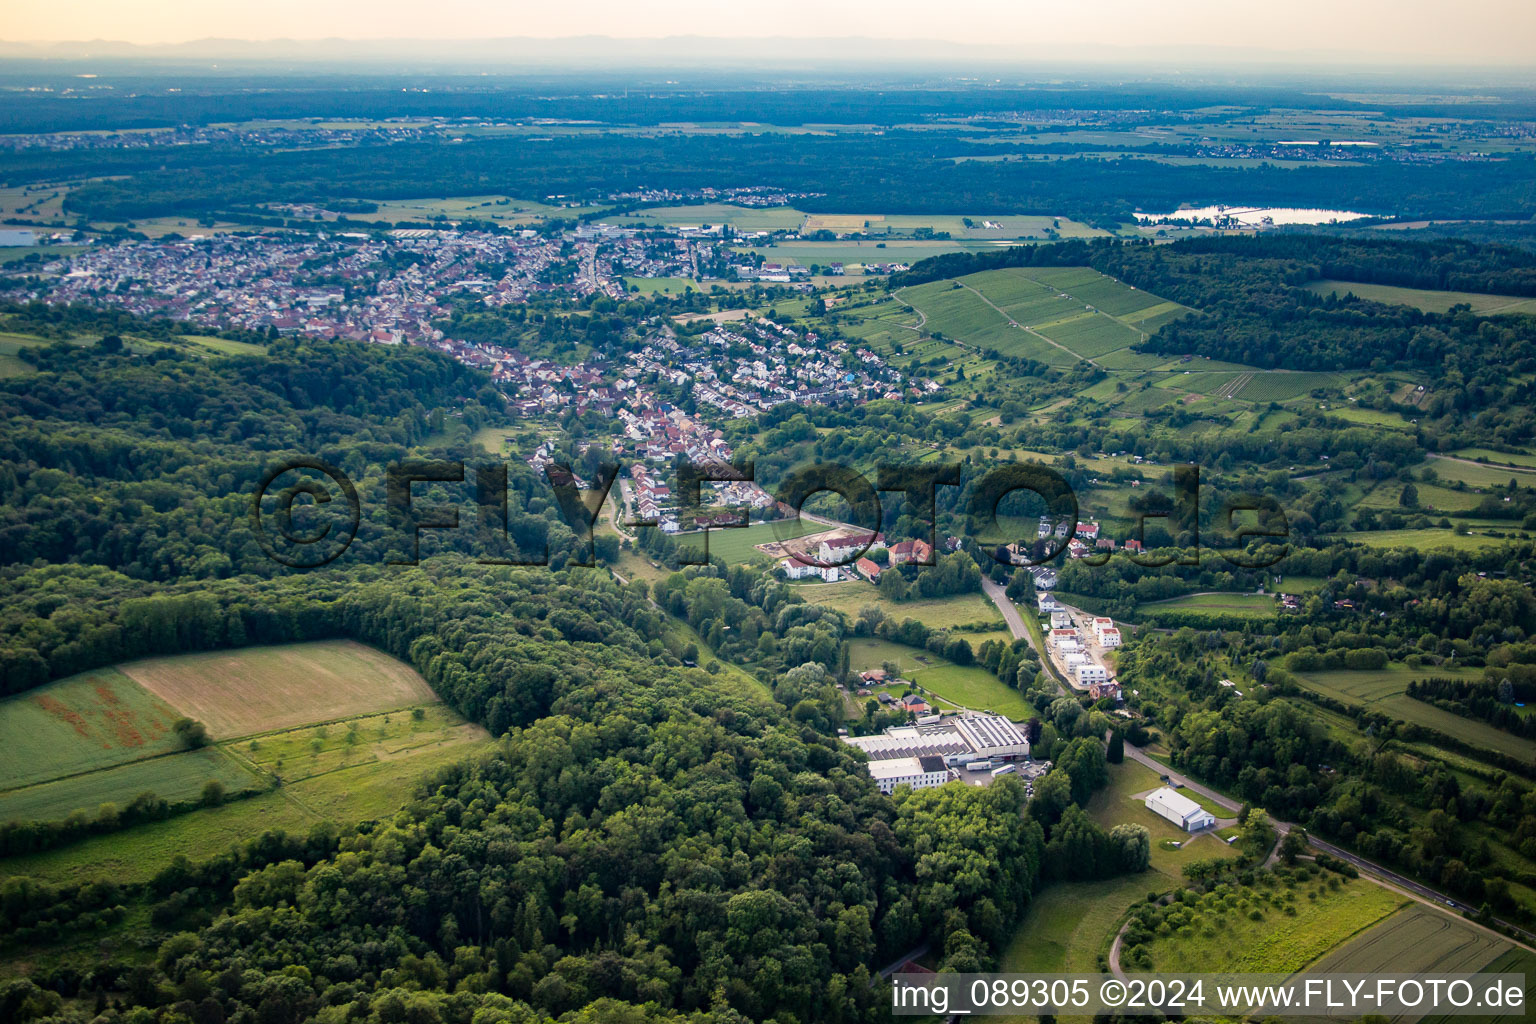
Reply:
x=12, y=237
x=1252, y=216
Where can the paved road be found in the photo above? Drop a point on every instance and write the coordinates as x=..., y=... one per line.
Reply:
x=1015, y=621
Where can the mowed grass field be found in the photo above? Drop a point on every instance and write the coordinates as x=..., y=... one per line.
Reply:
x=86, y=722
x=264, y=689
x=738, y=546
x=1259, y=606
x=1385, y=690
x=1117, y=804
x=964, y=685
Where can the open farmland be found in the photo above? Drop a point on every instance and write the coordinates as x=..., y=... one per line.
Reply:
x=86, y=722
x=1479, y=475
x=263, y=689
x=1426, y=539
x=1259, y=606
x=1385, y=691
x=1049, y=314
x=1277, y=386
x=1415, y=940
x=356, y=770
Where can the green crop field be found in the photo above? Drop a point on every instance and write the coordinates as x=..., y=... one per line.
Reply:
x=1520, y=460
x=1385, y=691
x=88, y=721
x=1425, y=299
x=1415, y=940
x=1268, y=928
x=1480, y=476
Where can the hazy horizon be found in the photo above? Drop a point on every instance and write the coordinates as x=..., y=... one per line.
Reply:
x=1481, y=32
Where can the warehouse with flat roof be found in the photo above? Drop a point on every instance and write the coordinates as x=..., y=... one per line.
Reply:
x=1179, y=809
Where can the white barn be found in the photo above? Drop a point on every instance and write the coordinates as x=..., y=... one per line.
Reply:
x=1180, y=809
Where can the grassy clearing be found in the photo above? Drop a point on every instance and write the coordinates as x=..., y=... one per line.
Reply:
x=225, y=346
x=958, y=610
x=1520, y=460
x=264, y=689
x=1117, y=804
x=1425, y=539
x=1385, y=690
x=1478, y=475
x=494, y=439
x=967, y=686
x=1258, y=606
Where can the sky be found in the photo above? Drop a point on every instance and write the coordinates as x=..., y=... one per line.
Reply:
x=1466, y=32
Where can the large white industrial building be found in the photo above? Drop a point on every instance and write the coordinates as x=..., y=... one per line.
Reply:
x=954, y=740
x=1180, y=809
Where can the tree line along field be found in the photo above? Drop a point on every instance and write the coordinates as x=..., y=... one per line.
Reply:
x=1385, y=690
x=1426, y=299
x=108, y=736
